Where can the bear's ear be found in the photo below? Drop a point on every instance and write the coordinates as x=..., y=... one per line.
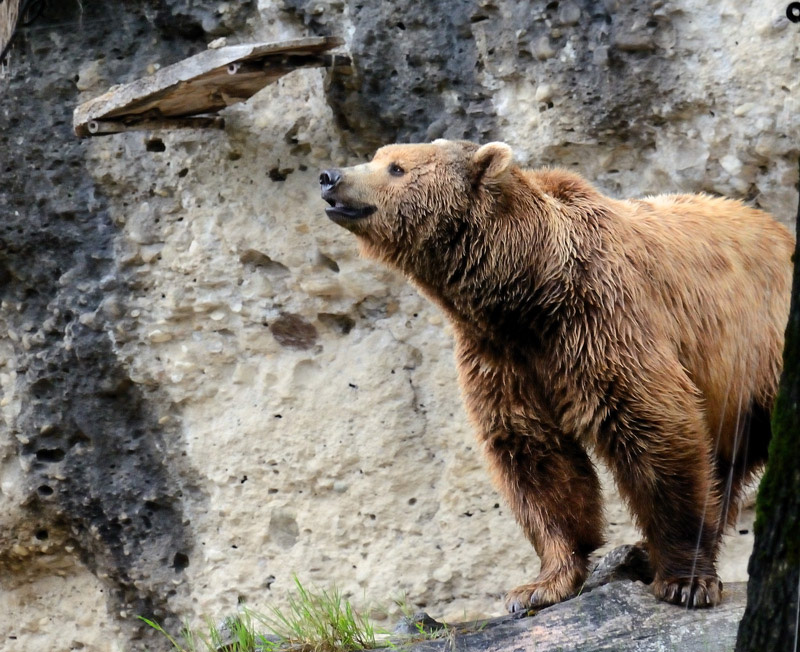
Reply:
x=491, y=161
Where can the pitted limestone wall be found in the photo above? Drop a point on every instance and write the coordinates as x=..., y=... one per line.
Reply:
x=205, y=389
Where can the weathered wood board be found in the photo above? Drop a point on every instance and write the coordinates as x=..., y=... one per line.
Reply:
x=9, y=16
x=200, y=86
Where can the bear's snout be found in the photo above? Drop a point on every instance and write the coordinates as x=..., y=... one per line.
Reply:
x=343, y=210
x=329, y=179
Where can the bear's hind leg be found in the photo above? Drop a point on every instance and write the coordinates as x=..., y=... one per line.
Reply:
x=553, y=490
x=748, y=454
x=655, y=441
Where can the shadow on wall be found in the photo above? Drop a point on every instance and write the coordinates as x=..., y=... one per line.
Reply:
x=97, y=479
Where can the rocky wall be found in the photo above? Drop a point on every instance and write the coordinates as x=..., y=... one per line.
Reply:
x=206, y=390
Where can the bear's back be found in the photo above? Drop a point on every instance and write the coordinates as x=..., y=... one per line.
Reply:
x=720, y=276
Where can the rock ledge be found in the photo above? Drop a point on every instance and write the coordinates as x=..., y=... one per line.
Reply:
x=612, y=614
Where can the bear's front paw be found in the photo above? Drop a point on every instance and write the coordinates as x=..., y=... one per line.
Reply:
x=690, y=592
x=536, y=595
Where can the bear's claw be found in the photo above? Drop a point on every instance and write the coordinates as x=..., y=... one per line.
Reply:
x=689, y=592
x=533, y=596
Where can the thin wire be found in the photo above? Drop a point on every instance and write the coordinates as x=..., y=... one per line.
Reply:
x=708, y=495
x=797, y=617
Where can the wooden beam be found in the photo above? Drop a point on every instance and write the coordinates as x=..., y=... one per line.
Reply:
x=203, y=84
x=105, y=127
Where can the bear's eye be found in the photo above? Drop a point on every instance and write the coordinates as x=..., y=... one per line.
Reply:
x=396, y=171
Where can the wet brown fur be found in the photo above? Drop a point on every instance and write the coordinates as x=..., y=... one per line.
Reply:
x=649, y=331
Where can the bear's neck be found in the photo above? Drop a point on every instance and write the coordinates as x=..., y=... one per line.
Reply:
x=511, y=269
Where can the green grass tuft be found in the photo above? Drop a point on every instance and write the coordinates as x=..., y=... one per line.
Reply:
x=313, y=622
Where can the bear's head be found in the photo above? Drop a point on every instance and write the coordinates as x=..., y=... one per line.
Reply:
x=412, y=199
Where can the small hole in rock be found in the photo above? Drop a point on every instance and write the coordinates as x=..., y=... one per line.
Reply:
x=155, y=145
x=279, y=174
x=42, y=535
x=328, y=262
x=79, y=438
x=180, y=561
x=50, y=455
x=341, y=324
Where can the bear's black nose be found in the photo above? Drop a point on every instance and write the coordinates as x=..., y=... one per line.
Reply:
x=329, y=179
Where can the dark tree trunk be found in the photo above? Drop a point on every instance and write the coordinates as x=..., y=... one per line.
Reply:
x=770, y=622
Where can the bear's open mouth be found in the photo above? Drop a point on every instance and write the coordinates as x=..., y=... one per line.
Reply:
x=340, y=212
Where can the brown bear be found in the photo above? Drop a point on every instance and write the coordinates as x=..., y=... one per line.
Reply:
x=649, y=331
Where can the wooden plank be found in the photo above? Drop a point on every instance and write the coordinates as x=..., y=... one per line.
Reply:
x=9, y=16
x=202, y=84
